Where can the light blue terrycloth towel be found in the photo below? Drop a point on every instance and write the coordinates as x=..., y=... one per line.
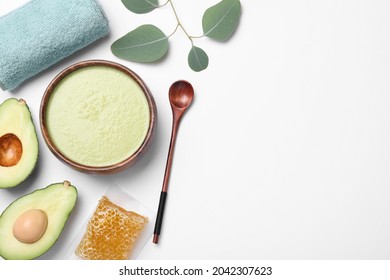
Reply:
x=42, y=32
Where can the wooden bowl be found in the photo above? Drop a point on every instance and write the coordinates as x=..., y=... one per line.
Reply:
x=113, y=168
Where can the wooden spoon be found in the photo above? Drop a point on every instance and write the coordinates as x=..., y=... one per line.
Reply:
x=181, y=94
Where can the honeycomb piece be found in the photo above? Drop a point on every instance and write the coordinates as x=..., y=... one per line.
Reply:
x=111, y=232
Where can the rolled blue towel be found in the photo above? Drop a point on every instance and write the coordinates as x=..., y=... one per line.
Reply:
x=42, y=32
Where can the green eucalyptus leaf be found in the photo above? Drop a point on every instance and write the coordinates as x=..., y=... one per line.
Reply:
x=146, y=43
x=220, y=20
x=197, y=59
x=140, y=6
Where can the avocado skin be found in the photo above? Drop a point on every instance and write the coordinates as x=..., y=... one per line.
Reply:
x=7, y=254
x=33, y=153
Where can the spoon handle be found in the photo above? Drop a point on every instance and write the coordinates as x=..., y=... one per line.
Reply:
x=164, y=192
x=160, y=214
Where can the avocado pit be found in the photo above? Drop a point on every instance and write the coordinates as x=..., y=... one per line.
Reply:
x=30, y=226
x=11, y=150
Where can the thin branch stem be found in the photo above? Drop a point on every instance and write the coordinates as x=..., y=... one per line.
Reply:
x=174, y=31
x=197, y=37
x=162, y=5
x=179, y=22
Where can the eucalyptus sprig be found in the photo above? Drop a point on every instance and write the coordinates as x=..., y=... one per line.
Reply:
x=147, y=43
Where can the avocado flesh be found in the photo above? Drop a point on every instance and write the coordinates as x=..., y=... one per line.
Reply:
x=16, y=123
x=57, y=200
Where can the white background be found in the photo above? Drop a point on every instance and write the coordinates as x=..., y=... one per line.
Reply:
x=285, y=153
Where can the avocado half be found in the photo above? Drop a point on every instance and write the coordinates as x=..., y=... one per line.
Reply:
x=18, y=143
x=56, y=200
